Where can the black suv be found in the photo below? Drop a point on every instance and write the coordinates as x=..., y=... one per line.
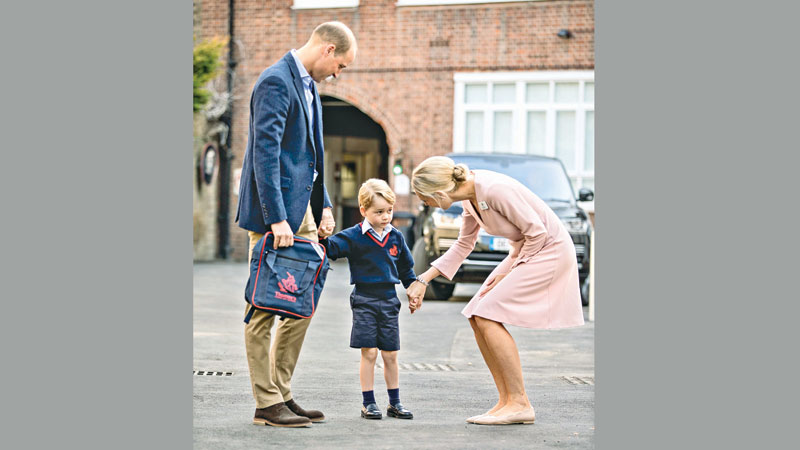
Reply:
x=434, y=230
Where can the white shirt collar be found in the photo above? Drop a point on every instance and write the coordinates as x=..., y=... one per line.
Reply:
x=366, y=226
x=300, y=67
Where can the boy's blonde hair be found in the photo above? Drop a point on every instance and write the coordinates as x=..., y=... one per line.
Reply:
x=438, y=173
x=371, y=188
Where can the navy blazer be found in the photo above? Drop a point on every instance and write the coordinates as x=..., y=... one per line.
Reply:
x=278, y=168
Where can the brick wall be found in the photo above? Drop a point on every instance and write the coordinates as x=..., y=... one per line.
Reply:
x=402, y=76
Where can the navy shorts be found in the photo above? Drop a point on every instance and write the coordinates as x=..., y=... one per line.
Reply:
x=375, y=322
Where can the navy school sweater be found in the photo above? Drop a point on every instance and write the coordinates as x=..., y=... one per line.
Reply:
x=381, y=264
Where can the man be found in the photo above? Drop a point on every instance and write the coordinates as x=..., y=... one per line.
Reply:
x=282, y=190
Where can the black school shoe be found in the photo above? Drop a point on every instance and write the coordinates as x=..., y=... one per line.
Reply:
x=399, y=411
x=371, y=411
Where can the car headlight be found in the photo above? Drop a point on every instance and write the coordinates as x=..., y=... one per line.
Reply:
x=444, y=218
x=576, y=225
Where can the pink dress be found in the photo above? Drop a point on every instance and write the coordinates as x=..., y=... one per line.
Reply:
x=541, y=289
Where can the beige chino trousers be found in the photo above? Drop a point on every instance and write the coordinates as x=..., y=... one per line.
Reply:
x=271, y=369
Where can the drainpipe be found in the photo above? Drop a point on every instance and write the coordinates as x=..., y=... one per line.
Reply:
x=226, y=155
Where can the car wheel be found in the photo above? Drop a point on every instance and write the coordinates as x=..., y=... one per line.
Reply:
x=439, y=291
x=435, y=290
x=585, y=292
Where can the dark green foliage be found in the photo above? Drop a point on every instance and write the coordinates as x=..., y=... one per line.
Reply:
x=206, y=67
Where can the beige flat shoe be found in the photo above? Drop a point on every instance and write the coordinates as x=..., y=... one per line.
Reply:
x=473, y=418
x=486, y=419
x=523, y=417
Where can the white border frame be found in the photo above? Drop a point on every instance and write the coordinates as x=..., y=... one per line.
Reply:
x=455, y=2
x=324, y=4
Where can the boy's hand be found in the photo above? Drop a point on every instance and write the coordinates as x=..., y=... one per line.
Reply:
x=325, y=231
x=414, y=304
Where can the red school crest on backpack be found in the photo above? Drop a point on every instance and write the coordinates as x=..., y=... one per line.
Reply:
x=288, y=284
x=393, y=250
x=286, y=281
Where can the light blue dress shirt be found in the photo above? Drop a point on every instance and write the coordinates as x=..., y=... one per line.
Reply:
x=307, y=80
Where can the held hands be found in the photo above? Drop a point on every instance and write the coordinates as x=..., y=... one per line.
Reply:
x=283, y=234
x=327, y=224
x=417, y=289
x=415, y=293
x=414, y=304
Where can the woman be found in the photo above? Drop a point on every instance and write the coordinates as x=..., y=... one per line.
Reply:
x=536, y=286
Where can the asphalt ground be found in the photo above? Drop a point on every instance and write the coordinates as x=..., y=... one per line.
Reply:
x=443, y=379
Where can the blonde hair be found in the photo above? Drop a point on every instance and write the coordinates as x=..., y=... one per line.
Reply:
x=438, y=173
x=373, y=187
x=337, y=34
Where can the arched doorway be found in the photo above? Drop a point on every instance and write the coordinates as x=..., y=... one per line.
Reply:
x=355, y=150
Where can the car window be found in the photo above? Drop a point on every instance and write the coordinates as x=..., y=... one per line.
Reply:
x=455, y=209
x=545, y=177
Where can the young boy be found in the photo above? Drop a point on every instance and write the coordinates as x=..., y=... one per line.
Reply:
x=378, y=258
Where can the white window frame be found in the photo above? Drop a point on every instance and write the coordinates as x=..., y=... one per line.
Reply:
x=455, y=2
x=320, y=4
x=520, y=111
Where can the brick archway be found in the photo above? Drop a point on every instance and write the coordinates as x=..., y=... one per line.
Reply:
x=360, y=99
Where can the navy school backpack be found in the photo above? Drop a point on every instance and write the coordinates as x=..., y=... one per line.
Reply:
x=288, y=281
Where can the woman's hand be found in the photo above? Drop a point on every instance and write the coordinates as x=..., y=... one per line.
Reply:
x=416, y=291
x=492, y=283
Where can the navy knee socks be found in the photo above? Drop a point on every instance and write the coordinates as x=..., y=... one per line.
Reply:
x=369, y=397
x=394, y=396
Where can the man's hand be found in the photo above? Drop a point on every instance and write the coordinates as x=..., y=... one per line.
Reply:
x=283, y=234
x=492, y=283
x=327, y=224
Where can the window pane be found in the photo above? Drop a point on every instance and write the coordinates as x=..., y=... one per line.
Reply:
x=474, y=132
x=588, y=183
x=576, y=184
x=588, y=92
x=475, y=93
x=502, y=132
x=565, y=138
x=536, y=132
x=537, y=92
x=504, y=93
x=566, y=92
x=588, y=159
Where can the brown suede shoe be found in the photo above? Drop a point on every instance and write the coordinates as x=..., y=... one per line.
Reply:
x=312, y=414
x=278, y=415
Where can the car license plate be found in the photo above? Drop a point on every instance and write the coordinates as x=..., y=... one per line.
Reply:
x=499, y=244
